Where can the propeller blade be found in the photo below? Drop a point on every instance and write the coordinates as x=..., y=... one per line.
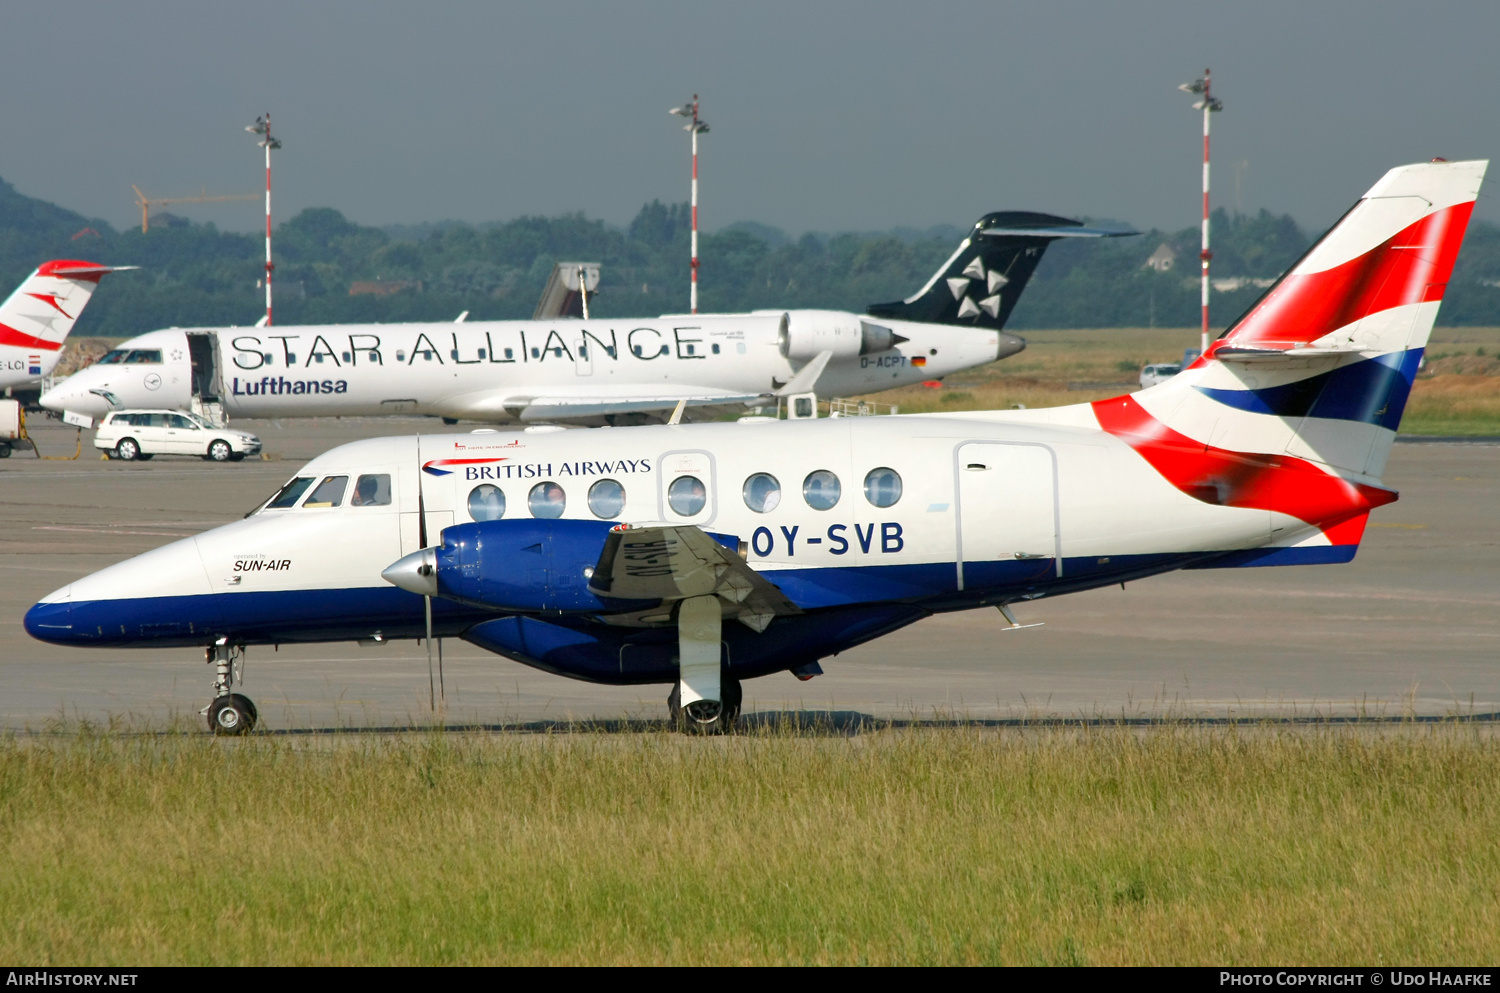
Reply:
x=426, y=600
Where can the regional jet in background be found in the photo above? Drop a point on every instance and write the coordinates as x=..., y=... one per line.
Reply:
x=588, y=371
x=761, y=547
x=35, y=320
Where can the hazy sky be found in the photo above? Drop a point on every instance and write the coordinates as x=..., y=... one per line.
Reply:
x=825, y=116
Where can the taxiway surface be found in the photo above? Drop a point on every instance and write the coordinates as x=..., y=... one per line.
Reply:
x=1412, y=625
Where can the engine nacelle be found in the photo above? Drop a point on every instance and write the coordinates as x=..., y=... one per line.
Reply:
x=805, y=333
x=522, y=565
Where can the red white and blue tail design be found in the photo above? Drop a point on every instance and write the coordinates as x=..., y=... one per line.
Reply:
x=36, y=319
x=1295, y=408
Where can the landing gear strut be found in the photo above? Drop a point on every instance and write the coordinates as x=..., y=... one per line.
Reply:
x=229, y=713
x=704, y=700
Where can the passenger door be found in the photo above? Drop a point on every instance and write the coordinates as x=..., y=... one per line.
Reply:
x=1007, y=513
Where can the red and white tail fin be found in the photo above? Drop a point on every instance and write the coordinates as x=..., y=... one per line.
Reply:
x=36, y=319
x=1295, y=408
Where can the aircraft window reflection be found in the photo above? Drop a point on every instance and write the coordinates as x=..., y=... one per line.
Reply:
x=821, y=490
x=607, y=499
x=372, y=491
x=330, y=492
x=883, y=487
x=762, y=493
x=486, y=503
x=289, y=493
x=547, y=500
x=686, y=496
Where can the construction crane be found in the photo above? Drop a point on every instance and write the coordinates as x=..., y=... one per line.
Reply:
x=145, y=202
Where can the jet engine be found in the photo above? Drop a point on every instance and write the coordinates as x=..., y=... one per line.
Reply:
x=806, y=333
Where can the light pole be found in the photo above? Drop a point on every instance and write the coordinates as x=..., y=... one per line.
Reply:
x=695, y=127
x=1208, y=105
x=262, y=127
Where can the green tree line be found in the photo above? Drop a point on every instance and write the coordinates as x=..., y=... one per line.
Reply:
x=196, y=275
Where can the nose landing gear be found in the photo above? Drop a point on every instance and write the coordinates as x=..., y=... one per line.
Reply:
x=229, y=713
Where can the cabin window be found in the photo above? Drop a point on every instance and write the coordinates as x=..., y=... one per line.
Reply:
x=346, y=356
x=883, y=487
x=762, y=493
x=716, y=348
x=486, y=503
x=330, y=492
x=481, y=354
x=288, y=494
x=373, y=490
x=510, y=353
x=583, y=351
x=607, y=499
x=536, y=353
x=821, y=490
x=400, y=355
x=318, y=357
x=686, y=496
x=547, y=500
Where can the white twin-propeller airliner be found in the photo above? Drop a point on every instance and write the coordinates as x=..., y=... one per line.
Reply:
x=701, y=555
x=603, y=371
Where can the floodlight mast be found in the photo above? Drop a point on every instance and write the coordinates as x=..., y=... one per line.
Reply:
x=695, y=126
x=262, y=127
x=1209, y=106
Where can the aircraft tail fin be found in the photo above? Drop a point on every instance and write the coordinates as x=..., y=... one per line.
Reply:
x=981, y=282
x=1294, y=409
x=35, y=320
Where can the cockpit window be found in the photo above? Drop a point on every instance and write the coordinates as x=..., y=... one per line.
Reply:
x=287, y=496
x=114, y=356
x=142, y=356
x=330, y=492
x=371, y=491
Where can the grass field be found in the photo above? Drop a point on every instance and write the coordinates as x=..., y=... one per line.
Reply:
x=1369, y=844
x=1457, y=393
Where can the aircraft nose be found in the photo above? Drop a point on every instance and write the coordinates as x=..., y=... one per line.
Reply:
x=1009, y=345
x=71, y=396
x=52, y=619
x=415, y=573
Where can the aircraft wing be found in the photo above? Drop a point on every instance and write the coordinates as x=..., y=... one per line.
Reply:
x=553, y=408
x=675, y=562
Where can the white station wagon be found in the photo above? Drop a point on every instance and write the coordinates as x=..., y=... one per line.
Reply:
x=140, y=434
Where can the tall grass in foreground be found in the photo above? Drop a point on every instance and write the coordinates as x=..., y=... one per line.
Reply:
x=1173, y=845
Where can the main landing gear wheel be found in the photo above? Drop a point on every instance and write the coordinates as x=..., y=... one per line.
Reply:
x=219, y=451
x=232, y=714
x=127, y=450
x=707, y=716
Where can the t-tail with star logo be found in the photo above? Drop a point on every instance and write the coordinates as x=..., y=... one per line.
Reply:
x=981, y=282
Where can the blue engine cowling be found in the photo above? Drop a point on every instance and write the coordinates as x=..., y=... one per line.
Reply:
x=529, y=565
